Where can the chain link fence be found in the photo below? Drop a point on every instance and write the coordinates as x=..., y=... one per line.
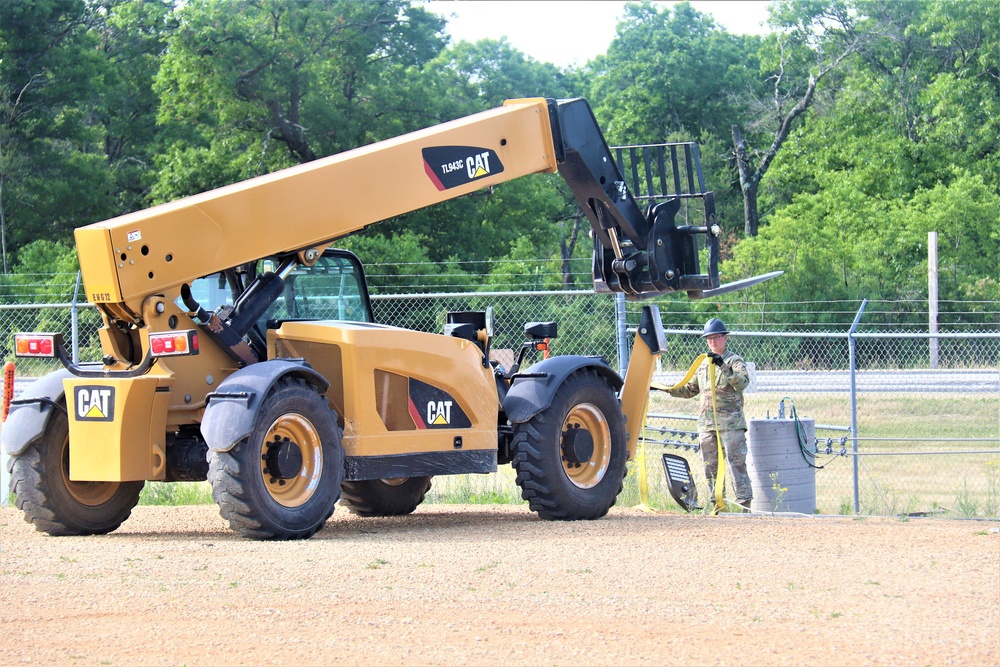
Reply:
x=906, y=422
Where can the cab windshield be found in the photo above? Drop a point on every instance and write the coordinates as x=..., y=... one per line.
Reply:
x=331, y=289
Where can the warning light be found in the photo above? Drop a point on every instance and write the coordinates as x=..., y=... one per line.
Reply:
x=36, y=345
x=173, y=343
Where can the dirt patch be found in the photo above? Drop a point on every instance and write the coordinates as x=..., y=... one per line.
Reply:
x=490, y=585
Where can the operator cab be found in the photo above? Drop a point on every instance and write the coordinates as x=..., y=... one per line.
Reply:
x=333, y=288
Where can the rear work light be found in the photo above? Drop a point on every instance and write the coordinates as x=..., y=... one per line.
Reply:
x=36, y=345
x=173, y=343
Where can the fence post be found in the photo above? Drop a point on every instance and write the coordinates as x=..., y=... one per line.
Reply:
x=932, y=296
x=853, y=361
x=74, y=319
x=621, y=333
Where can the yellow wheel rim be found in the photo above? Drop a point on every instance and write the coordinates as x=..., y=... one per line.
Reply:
x=90, y=494
x=294, y=490
x=588, y=473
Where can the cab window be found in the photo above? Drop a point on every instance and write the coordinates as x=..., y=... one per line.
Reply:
x=331, y=289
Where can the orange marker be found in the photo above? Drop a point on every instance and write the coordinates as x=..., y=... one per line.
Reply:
x=8, y=388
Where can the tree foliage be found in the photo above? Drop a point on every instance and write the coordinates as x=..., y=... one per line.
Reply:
x=252, y=87
x=862, y=125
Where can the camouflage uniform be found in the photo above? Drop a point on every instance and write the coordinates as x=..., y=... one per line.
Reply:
x=730, y=381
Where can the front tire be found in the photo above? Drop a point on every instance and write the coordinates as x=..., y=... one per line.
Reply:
x=385, y=497
x=57, y=505
x=283, y=480
x=570, y=457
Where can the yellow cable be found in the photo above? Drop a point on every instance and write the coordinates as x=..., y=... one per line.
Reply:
x=686, y=379
x=720, y=477
x=640, y=463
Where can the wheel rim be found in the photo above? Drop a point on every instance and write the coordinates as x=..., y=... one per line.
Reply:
x=292, y=488
x=586, y=471
x=90, y=494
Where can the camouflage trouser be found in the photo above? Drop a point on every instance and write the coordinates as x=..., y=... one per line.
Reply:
x=735, y=444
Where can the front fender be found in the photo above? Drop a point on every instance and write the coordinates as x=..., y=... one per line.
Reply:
x=533, y=392
x=231, y=410
x=29, y=414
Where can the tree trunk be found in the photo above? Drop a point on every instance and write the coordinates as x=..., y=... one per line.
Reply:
x=567, y=245
x=748, y=183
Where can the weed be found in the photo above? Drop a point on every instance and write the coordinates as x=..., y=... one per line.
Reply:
x=176, y=493
x=992, y=502
x=376, y=564
x=968, y=506
x=779, y=491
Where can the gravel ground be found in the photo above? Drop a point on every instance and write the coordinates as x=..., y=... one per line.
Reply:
x=494, y=585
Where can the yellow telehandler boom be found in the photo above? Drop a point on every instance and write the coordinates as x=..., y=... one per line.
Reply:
x=238, y=347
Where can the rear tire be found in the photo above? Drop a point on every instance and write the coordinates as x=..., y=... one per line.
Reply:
x=54, y=504
x=570, y=457
x=385, y=497
x=283, y=480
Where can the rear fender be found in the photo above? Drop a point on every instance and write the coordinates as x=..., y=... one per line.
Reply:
x=533, y=392
x=231, y=410
x=29, y=414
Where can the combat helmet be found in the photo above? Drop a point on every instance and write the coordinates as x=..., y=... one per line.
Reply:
x=714, y=326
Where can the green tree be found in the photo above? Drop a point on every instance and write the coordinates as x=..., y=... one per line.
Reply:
x=671, y=74
x=133, y=36
x=251, y=87
x=812, y=40
x=907, y=144
x=53, y=173
x=473, y=77
x=667, y=71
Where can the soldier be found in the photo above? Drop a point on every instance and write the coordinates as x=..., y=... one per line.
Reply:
x=731, y=379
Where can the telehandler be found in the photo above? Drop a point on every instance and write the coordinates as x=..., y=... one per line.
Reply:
x=221, y=360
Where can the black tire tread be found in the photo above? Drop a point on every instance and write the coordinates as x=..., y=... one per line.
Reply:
x=369, y=499
x=29, y=482
x=532, y=458
x=232, y=493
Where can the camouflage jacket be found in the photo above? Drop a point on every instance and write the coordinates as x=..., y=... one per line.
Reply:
x=730, y=381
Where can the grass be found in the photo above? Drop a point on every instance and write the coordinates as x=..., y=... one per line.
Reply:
x=176, y=493
x=902, y=474
x=929, y=480
x=880, y=415
x=949, y=486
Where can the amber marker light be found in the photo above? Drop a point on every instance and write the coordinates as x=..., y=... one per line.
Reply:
x=35, y=345
x=173, y=343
